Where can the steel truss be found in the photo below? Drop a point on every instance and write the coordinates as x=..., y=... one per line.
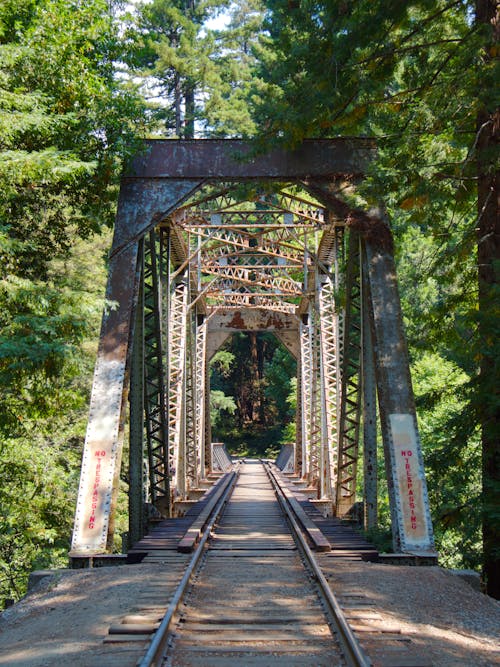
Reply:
x=306, y=394
x=201, y=391
x=156, y=262
x=177, y=325
x=350, y=412
x=330, y=376
x=190, y=400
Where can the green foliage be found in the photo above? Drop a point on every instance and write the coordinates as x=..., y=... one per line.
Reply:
x=230, y=83
x=45, y=371
x=170, y=49
x=38, y=478
x=258, y=375
x=197, y=80
x=220, y=403
x=416, y=76
x=451, y=445
x=66, y=124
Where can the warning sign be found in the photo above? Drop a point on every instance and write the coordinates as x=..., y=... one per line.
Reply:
x=409, y=479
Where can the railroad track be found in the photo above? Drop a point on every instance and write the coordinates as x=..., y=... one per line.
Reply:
x=253, y=594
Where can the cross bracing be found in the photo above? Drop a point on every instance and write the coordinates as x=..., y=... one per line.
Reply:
x=206, y=246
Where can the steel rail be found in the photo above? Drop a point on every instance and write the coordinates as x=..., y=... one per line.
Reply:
x=353, y=652
x=155, y=652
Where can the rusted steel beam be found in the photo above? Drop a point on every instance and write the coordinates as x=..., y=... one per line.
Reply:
x=410, y=512
x=231, y=159
x=104, y=439
x=141, y=205
x=256, y=320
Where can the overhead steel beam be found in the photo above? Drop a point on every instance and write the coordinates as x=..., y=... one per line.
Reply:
x=254, y=320
x=231, y=159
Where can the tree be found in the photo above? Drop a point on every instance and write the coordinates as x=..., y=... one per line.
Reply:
x=417, y=76
x=488, y=255
x=169, y=45
x=232, y=80
x=66, y=124
x=258, y=379
x=197, y=78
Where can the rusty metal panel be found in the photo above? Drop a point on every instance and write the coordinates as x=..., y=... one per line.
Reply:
x=410, y=479
x=252, y=320
x=141, y=205
x=290, y=340
x=397, y=405
x=215, y=340
x=233, y=160
x=103, y=443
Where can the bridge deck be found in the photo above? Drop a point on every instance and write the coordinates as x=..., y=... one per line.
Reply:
x=167, y=533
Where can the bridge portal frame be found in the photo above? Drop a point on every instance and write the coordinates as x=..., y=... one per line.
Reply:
x=161, y=178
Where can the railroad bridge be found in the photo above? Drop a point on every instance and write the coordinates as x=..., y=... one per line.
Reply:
x=211, y=239
x=250, y=562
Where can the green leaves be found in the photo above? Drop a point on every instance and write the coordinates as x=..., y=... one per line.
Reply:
x=66, y=123
x=256, y=375
x=198, y=80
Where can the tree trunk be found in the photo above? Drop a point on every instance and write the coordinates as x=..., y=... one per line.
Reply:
x=189, y=112
x=177, y=105
x=488, y=255
x=254, y=377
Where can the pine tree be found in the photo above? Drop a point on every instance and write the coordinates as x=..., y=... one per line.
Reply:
x=65, y=126
x=419, y=77
x=196, y=78
x=171, y=49
x=233, y=80
x=488, y=255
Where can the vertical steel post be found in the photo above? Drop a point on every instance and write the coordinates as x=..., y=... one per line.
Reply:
x=177, y=385
x=140, y=203
x=190, y=402
x=410, y=513
x=350, y=412
x=166, y=268
x=370, y=466
x=298, y=421
x=201, y=351
x=329, y=331
x=93, y=529
x=306, y=375
x=155, y=394
x=136, y=517
x=325, y=404
x=315, y=397
x=209, y=463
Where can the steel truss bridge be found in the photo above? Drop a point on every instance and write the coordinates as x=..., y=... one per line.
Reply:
x=210, y=239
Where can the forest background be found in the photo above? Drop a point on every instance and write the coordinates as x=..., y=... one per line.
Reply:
x=82, y=82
